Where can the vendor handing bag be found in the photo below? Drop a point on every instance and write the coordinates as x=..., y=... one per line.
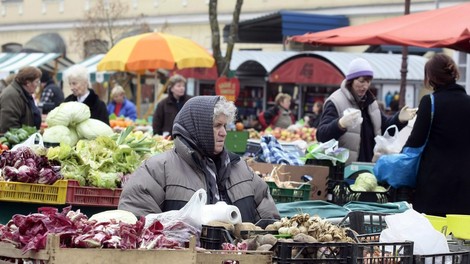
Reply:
x=386, y=144
x=400, y=170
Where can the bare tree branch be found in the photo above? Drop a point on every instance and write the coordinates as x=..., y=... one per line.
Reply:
x=103, y=26
x=223, y=63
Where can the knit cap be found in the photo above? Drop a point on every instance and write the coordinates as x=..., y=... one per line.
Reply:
x=359, y=67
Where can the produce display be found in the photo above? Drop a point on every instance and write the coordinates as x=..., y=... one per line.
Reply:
x=367, y=182
x=119, y=123
x=106, y=161
x=24, y=165
x=29, y=232
x=15, y=136
x=100, y=162
x=70, y=122
x=292, y=133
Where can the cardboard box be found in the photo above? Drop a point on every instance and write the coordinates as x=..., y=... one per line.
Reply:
x=294, y=173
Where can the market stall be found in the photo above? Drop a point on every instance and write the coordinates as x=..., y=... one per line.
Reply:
x=49, y=216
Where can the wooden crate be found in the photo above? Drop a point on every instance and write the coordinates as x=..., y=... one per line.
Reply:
x=239, y=257
x=54, y=254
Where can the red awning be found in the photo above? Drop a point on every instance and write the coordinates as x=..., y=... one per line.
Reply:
x=199, y=73
x=306, y=70
x=445, y=27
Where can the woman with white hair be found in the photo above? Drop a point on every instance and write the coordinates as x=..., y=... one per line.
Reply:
x=78, y=79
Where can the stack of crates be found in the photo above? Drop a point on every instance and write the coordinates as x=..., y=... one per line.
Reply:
x=369, y=225
x=299, y=192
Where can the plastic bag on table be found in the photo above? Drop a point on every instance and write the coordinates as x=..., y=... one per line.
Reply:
x=189, y=214
x=413, y=226
x=34, y=142
x=327, y=151
x=386, y=143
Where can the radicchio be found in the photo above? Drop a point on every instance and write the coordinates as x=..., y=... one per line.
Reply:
x=23, y=165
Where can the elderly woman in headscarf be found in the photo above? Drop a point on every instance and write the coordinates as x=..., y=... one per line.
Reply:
x=199, y=160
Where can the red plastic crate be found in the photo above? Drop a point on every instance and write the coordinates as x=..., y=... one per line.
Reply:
x=91, y=196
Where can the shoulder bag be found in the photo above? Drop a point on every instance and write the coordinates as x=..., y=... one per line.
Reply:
x=400, y=170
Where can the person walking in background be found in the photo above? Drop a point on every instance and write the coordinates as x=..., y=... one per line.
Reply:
x=78, y=79
x=352, y=116
x=51, y=96
x=120, y=106
x=314, y=120
x=17, y=105
x=168, y=108
x=7, y=81
x=442, y=181
x=199, y=160
x=278, y=115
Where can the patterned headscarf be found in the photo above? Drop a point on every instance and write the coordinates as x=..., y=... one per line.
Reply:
x=195, y=123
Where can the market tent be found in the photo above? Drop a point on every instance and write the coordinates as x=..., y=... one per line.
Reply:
x=249, y=62
x=90, y=63
x=386, y=66
x=12, y=62
x=276, y=27
x=446, y=27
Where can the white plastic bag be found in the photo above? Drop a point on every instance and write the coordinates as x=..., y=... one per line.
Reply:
x=386, y=144
x=413, y=226
x=190, y=213
x=34, y=141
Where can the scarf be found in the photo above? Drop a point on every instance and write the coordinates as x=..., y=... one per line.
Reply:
x=194, y=125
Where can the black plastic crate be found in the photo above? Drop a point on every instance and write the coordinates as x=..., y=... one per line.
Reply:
x=459, y=257
x=376, y=252
x=336, y=172
x=212, y=237
x=342, y=194
x=297, y=252
x=364, y=222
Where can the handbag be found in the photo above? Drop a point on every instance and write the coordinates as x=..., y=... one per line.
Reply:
x=400, y=170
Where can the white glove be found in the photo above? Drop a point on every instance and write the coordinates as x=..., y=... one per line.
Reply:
x=350, y=119
x=406, y=114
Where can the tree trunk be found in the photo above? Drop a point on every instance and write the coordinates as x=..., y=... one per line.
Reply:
x=223, y=63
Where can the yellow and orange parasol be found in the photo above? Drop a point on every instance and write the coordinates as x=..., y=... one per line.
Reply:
x=153, y=51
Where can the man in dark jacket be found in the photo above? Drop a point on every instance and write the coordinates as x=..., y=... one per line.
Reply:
x=51, y=96
x=199, y=160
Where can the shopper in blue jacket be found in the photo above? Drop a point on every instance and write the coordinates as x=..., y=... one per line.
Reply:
x=120, y=106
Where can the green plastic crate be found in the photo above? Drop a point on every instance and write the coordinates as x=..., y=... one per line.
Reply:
x=236, y=141
x=300, y=192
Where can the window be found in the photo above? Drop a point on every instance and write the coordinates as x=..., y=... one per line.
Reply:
x=463, y=63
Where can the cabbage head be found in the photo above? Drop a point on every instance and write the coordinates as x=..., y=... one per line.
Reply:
x=93, y=128
x=60, y=134
x=68, y=114
x=357, y=188
x=380, y=189
x=366, y=180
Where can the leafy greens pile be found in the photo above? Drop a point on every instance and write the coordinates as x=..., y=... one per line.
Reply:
x=100, y=162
